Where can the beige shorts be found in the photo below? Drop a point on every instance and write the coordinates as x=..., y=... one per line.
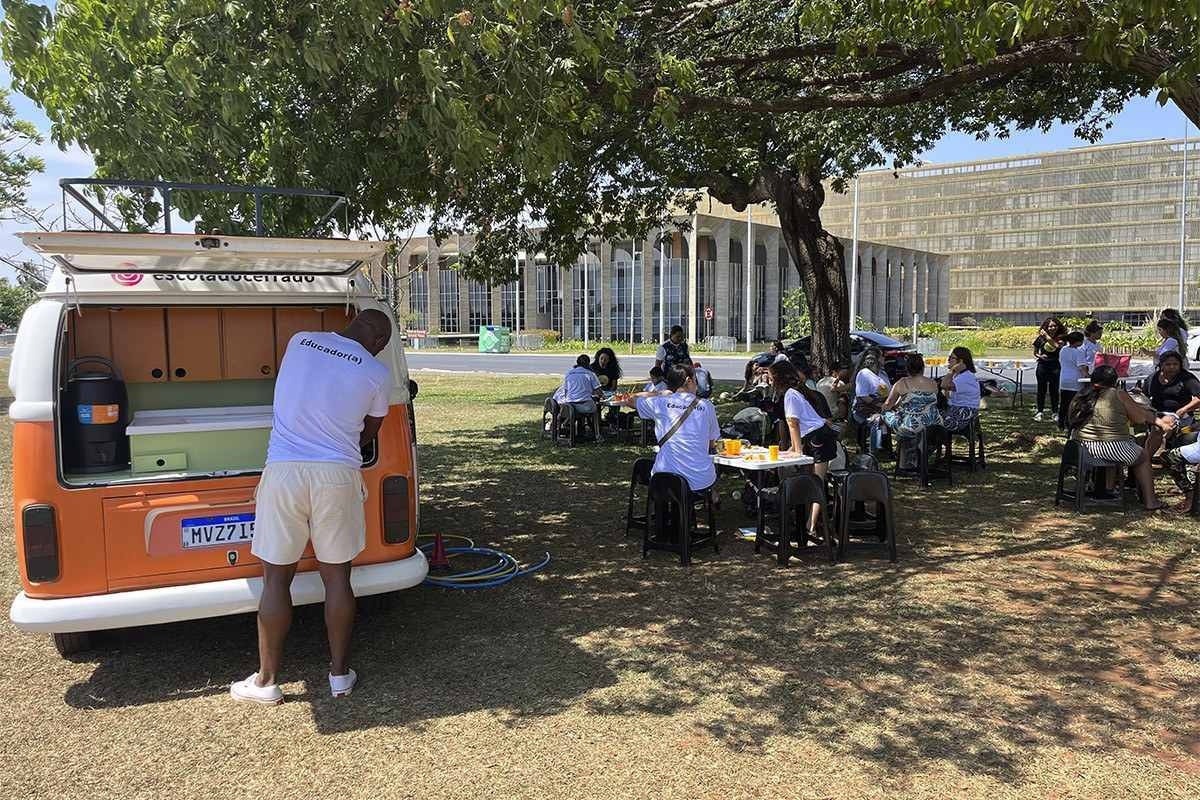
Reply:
x=299, y=501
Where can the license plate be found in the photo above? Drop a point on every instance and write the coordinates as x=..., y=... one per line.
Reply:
x=222, y=531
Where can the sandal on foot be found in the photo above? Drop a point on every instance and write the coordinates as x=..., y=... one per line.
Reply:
x=248, y=691
x=342, y=685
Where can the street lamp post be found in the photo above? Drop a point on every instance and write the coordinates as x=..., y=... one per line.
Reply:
x=1183, y=223
x=854, y=261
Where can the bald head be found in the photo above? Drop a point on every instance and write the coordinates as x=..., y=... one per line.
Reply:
x=372, y=329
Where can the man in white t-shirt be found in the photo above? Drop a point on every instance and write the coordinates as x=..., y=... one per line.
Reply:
x=689, y=450
x=331, y=396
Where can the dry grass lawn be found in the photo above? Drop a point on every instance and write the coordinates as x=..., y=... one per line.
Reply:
x=1014, y=652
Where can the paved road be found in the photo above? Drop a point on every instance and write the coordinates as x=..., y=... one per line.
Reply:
x=720, y=367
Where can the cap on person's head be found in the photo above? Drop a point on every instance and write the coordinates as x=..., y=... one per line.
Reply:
x=583, y=360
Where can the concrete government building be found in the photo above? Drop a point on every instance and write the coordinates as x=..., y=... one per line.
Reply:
x=639, y=289
x=1086, y=230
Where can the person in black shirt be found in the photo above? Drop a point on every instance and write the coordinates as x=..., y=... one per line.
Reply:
x=1045, y=349
x=1174, y=390
x=607, y=368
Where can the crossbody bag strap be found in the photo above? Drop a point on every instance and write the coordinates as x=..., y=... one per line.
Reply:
x=682, y=417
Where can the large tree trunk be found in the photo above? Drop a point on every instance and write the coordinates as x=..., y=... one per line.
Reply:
x=798, y=198
x=818, y=255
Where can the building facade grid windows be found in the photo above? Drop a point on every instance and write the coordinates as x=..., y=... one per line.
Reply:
x=626, y=294
x=479, y=305
x=418, y=300
x=512, y=294
x=448, y=298
x=1054, y=232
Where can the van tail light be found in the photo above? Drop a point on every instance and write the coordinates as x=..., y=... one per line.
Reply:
x=395, y=510
x=40, y=534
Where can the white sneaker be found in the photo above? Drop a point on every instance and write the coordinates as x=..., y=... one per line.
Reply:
x=342, y=685
x=248, y=691
x=1037, y=416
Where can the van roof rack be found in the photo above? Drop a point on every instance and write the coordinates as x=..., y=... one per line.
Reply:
x=74, y=187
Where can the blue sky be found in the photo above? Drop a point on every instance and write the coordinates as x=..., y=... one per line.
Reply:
x=1141, y=119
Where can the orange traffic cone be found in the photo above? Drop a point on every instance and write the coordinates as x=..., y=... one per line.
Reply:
x=439, y=560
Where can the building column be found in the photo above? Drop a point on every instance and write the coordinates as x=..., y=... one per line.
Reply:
x=879, y=296
x=528, y=295
x=931, y=289
x=943, y=267
x=464, y=303
x=846, y=268
x=894, y=280
x=772, y=287
x=497, y=305
x=433, y=279
x=920, y=282
x=722, y=261
x=866, y=284
x=605, y=287
x=753, y=289
x=566, y=290
x=692, y=270
x=907, y=291
x=649, y=295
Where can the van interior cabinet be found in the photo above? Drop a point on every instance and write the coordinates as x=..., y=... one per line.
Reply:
x=194, y=344
x=91, y=333
x=335, y=318
x=248, y=343
x=289, y=322
x=139, y=344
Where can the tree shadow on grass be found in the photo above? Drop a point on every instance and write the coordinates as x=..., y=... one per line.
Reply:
x=1007, y=626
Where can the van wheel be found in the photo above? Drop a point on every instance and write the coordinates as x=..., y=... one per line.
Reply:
x=68, y=644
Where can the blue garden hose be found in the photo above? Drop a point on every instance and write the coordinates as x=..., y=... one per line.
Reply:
x=500, y=572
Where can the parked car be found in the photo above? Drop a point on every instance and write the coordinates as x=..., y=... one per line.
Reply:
x=1193, y=346
x=800, y=351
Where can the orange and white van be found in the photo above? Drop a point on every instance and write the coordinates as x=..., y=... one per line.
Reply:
x=196, y=327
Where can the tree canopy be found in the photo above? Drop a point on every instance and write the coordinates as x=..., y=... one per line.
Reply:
x=591, y=118
x=16, y=164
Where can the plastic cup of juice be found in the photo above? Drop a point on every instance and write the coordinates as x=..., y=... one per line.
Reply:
x=735, y=447
x=773, y=452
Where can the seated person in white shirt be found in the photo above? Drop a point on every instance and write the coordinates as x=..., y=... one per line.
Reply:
x=962, y=383
x=657, y=382
x=580, y=389
x=688, y=452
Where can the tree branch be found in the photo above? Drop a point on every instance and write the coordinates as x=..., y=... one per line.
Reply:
x=849, y=78
x=1048, y=52
x=827, y=47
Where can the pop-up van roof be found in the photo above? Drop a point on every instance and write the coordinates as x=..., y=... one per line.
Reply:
x=90, y=253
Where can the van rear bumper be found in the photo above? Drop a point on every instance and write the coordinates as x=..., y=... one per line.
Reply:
x=198, y=600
